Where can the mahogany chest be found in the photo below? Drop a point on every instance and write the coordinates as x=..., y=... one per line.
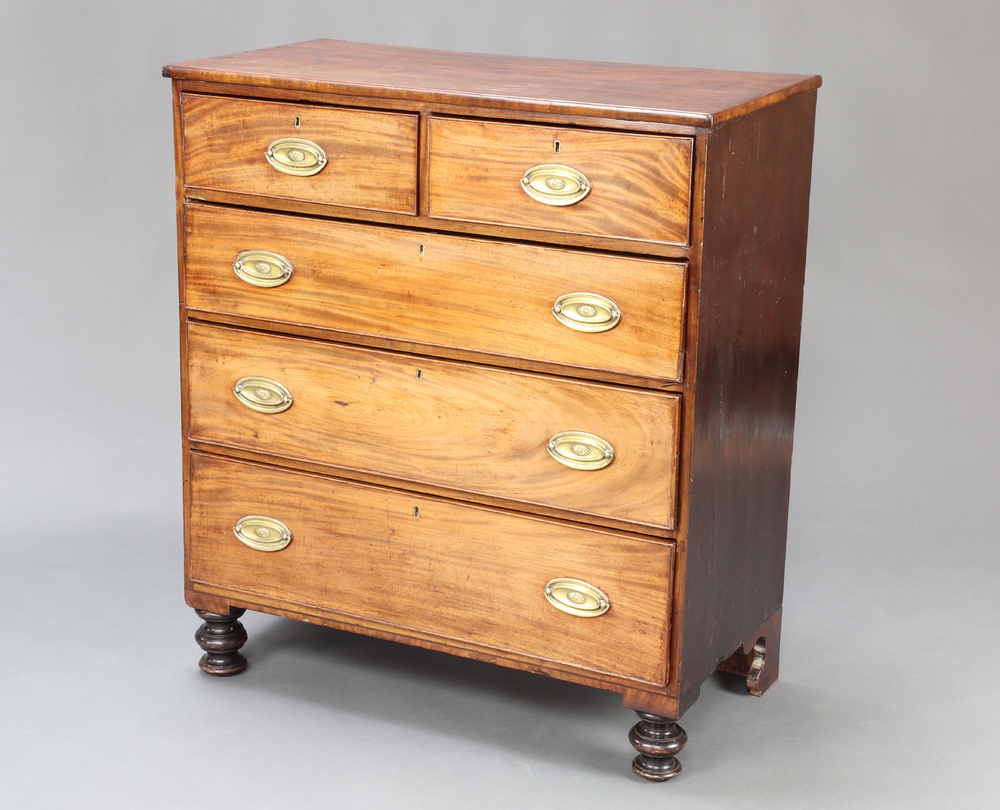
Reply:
x=495, y=356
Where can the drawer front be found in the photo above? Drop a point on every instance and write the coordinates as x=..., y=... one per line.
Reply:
x=494, y=298
x=640, y=185
x=465, y=427
x=468, y=574
x=370, y=157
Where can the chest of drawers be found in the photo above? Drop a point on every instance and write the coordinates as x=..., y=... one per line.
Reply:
x=494, y=356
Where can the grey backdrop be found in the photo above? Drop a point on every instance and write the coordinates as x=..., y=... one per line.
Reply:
x=888, y=696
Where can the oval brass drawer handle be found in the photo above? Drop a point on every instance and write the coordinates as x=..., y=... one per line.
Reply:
x=262, y=533
x=262, y=268
x=262, y=394
x=581, y=451
x=553, y=184
x=576, y=597
x=296, y=156
x=587, y=312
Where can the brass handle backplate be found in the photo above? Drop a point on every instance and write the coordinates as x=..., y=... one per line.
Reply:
x=581, y=451
x=576, y=597
x=262, y=394
x=587, y=312
x=262, y=268
x=553, y=184
x=296, y=156
x=262, y=533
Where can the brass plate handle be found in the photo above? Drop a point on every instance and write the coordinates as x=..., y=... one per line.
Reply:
x=587, y=312
x=262, y=268
x=581, y=451
x=296, y=156
x=553, y=184
x=262, y=533
x=576, y=597
x=262, y=394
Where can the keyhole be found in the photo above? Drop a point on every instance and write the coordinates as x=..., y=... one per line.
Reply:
x=298, y=122
x=420, y=250
x=420, y=374
x=556, y=147
x=416, y=511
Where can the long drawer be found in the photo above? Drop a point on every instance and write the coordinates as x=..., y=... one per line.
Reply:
x=355, y=158
x=509, y=301
x=466, y=574
x=591, y=449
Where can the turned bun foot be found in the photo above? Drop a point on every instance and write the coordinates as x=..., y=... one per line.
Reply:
x=657, y=740
x=221, y=637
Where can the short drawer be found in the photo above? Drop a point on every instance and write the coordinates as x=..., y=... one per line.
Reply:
x=509, y=301
x=461, y=426
x=355, y=158
x=637, y=186
x=461, y=574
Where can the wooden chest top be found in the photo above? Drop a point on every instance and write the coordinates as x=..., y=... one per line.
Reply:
x=686, y=96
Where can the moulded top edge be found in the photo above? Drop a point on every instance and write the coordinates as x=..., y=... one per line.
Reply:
x=691, y=96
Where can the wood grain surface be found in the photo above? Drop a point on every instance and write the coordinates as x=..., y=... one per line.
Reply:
x=640, y=184
x=491, y=297
x=467, y=573
x=691, y=96
x=750, y=315
x=469, y=427
x=372, y=155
